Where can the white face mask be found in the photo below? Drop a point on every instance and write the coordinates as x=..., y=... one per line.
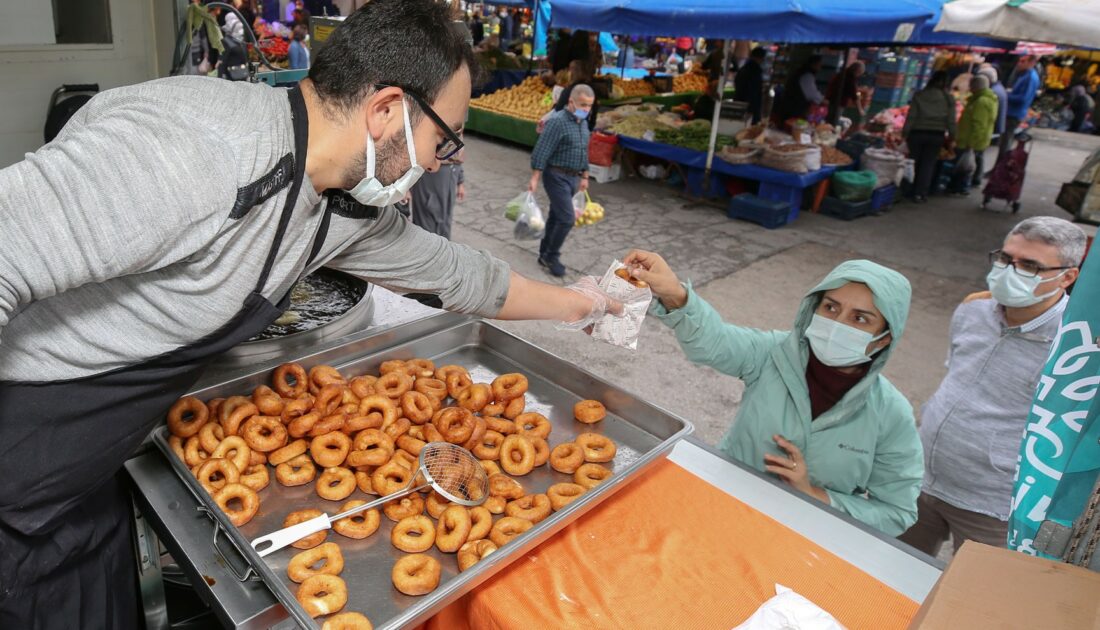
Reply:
x=370, y=192
x=839, y=345
x=1011, y=289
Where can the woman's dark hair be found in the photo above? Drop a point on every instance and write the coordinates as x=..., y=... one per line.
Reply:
x=405, y=43
x=939, y=80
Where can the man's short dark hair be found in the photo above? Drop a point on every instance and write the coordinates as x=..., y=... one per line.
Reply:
x=759, y=53
x=405, y=43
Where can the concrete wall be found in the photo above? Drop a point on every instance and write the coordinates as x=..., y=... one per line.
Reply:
x=30, y=73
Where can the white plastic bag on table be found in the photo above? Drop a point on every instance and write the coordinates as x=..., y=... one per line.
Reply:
x=622, y=331
x=528, y=217
x=789, y=611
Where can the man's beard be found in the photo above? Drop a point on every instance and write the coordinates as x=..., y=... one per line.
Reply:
x=390, y=163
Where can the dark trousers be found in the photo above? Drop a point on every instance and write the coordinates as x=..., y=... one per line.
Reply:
x=979, y=168
x=560, y=187
x=433, y=200
x=937, y=520
x=924, y=148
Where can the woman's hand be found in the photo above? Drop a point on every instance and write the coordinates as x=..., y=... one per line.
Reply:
x=653, y=270
x=792, y=469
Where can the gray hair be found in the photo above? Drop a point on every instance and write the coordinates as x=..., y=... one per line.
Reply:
x=989, y=72
x=979, y=82
x=582, y=90
x=1067, y=237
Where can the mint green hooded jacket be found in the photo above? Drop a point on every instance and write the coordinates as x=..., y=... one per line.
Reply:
x=865, y=451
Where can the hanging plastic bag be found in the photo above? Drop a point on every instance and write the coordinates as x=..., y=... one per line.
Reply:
x=966, y=163
x=623, y=331
x=579, y=202
x=592, y=213
x=528, y=217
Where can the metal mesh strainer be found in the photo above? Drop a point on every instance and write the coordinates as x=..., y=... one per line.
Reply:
x=448, y=468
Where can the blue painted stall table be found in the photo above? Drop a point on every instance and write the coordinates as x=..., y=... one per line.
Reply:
x=774, y=184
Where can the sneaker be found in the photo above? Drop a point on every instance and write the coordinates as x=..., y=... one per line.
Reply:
x=557, y=269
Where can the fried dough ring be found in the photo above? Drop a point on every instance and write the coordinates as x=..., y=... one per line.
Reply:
x=186, y=416
x=241, y=454
x=250, y=502
x=398, y=509
x=296, y=471
x=416, y=574
x=566, y=457
x=215, y=473
x=453, y=529
x=507, y=387
x=473, y=552
x=301, y=565
x=533, y=507
x=562, y=494
x=507, y=529
x=535, y=424
x=282, y=383
x=264, y=433
x=322, y=595
x=359, y=525
x=589, y=411
x=330, y=449
x=336, y=483
x=288, y=452
x=589, y=476
x=597, y=448
x=517, y=455
x=413, y=534
x=313, y=539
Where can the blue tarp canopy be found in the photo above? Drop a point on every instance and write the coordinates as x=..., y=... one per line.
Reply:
x=790, y=21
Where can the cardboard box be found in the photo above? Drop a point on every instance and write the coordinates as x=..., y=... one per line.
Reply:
x=605, y=174
x=992, y=587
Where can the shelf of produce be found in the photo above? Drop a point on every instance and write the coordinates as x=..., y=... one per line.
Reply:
x=501, y=126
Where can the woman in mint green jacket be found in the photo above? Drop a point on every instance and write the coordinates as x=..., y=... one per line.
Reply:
x=817, y=411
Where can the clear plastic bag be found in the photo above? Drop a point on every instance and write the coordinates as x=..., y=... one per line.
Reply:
x=579, y=203
x=525, y=211
x=622, y=331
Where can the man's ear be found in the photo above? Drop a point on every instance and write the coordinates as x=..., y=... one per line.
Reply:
x=381, y=109
x=1070, y=277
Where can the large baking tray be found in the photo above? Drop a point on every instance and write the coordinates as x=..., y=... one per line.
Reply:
x=643, y=433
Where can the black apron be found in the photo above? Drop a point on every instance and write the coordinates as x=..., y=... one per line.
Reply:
x=66, y=553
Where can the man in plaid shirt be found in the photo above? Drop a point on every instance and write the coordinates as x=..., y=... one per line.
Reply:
x=560, y=157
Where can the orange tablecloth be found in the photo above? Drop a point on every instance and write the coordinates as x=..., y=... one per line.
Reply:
x=670, y=551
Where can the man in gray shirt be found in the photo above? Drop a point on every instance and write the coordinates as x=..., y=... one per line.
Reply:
x=166, y=223
x=972, y=425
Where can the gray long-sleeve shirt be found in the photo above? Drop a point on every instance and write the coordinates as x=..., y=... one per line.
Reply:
x=972, y=426
x=146, y=223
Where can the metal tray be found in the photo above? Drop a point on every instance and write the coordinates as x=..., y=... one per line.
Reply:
x=643, y=433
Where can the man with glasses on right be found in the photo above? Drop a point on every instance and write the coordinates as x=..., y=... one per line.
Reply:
x=971, y=426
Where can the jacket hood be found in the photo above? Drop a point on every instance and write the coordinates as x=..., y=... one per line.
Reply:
x=892, y=295
x=983, y=93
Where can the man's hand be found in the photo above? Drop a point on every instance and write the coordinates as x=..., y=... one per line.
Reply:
x=653, y=270
x=533, y=185
x=584, y=184
x=461, y=193
x=792, y=469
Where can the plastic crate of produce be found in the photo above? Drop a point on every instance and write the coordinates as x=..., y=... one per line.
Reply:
x=766, y=212
x=897, y=64
x=887, y=95
x=846, y=210
x=883, y=197
x=890, y=79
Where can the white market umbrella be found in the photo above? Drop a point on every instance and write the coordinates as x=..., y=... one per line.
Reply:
x=1068, y=22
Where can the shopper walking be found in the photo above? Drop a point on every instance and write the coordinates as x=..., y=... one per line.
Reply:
x=988, y=71
x=1020, y=98
x=560, y=157
x=975, y=131
x=1081, y=105
x=435, y=195
x=930, y=123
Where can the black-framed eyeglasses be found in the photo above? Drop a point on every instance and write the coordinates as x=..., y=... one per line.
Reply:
x=451, y=143
x=1026, y=268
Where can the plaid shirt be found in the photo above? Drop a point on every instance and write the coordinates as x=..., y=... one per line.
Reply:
x=563, y=143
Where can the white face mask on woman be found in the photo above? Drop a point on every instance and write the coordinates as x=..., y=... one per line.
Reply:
x=370, y=191
x=839, y=345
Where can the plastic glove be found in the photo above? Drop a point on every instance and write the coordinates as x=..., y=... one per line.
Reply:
x=602, y=304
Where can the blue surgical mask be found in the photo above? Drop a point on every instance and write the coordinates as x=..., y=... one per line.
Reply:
x=370, y=192
x=839, y=345
x=581, y=114
x=1011, y=289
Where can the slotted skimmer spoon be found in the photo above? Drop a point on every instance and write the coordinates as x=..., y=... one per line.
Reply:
x=448, y=468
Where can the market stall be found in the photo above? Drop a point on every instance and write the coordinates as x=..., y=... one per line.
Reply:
x=823, y=554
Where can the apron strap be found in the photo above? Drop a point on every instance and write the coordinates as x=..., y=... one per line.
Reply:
x=301, y=143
